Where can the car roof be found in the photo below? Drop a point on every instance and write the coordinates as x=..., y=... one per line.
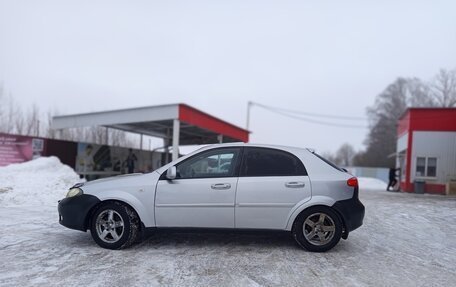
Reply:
x=241, y=144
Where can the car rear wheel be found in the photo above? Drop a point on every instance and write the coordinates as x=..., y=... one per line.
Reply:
x=317, y=229
x=114, y=225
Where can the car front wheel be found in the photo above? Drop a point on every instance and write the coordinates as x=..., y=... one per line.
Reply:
x=114, y=225
x=317, y=229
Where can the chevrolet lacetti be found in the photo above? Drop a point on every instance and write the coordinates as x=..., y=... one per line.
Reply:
x=225, y=186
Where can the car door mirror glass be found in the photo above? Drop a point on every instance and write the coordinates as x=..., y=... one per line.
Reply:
x=171, y=173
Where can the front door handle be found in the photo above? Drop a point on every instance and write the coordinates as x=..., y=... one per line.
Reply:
x=221, y=186
x=295, y=184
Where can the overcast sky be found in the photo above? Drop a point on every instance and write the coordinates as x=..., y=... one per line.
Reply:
x=328, y=57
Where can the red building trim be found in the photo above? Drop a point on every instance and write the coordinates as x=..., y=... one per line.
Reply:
x=408, y=169
x=198, y=118
x=427, y=119
x=435, y=188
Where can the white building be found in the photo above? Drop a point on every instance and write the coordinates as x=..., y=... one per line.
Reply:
x=426, y=149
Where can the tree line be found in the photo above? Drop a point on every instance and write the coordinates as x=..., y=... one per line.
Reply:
x=30, y=121
x=384, y=114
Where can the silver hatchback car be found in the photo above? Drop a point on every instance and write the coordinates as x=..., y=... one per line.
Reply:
x=229, y=186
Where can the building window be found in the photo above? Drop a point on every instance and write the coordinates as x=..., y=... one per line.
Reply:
x=426, y=166
x=431, y=166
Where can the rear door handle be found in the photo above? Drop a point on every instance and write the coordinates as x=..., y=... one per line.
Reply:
x=295, y=184
x=221, y=186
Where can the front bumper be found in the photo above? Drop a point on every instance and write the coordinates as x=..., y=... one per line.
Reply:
x=352, y=212
x=74, y=211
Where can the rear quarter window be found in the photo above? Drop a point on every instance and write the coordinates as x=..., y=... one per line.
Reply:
x=328, y=162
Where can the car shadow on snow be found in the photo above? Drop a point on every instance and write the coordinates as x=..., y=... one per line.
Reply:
x=214, y=238
x=203, y=239
x=254, y=241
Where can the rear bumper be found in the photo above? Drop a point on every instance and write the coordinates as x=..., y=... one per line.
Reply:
x=73, y=211
x=352, y=212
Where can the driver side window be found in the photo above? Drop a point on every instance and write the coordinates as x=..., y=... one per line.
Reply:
x=214, y=163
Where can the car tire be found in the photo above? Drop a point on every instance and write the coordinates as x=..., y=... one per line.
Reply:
x=114, y=225
x=317, y=229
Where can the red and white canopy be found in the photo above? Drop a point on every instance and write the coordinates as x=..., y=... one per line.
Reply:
x=179, y=123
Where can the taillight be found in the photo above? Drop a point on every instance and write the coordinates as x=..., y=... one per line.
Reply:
x=352, y=182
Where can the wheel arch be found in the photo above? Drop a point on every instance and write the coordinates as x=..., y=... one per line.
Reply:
x=316, y=201
x=127, y=200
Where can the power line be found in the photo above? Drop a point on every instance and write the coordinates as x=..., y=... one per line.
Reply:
x=286, y=112
x=309, y=114
x=316, y=121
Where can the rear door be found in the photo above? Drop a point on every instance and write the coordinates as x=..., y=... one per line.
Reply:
x=271, y=182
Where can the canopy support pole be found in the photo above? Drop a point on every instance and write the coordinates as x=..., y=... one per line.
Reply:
x=176, y=134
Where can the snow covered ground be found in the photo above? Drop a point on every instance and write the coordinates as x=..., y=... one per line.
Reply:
x=42, y=181
x=369, y=183
x=406, y=240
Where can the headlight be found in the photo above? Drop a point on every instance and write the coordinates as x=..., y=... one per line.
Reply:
x=74, y=192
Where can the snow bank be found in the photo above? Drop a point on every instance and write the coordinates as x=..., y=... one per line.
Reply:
x=370, y=183
x=42, y=181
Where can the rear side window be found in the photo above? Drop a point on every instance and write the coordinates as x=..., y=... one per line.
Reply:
x=270, y=162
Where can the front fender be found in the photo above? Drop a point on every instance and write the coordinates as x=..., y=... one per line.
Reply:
x=142, y=207
x=316, y=200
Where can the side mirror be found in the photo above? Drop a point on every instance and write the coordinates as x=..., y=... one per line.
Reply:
x=171, y=173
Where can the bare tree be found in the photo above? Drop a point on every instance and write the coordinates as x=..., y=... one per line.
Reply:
x=48, y=131
x=8, y=110
x=383, y=117
x=345, y=155
x=13, y=119
x=330, y=156
x=31, y=125
x=419, y=94
x=2, y=105
x=119, y=138
x=96, y=135
x=443, y=88
x=18, y=120
x=3, y=111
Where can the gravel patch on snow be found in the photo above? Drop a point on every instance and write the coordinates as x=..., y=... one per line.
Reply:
x=406, y=240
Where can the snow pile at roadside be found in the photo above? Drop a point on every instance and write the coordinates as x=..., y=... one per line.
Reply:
x=370, y=183
x=42, y=181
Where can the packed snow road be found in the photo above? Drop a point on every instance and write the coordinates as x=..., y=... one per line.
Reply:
x=406, y=240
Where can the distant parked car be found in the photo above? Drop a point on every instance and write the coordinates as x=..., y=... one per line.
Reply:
x=233, y=186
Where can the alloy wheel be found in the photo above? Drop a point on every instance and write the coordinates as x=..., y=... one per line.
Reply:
x=110, y=226
x=319, y=228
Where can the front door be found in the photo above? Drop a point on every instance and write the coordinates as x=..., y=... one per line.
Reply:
x=203, y=193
